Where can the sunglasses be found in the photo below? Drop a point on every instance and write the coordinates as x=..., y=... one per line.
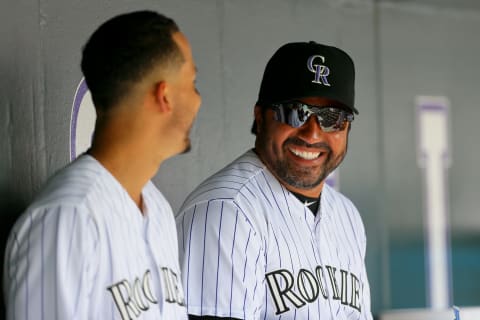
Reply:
x=296, y=114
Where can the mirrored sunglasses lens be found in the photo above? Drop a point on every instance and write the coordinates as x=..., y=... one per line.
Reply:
x=291, y=113
x=295, y=114
x=296, y=117
x=331, y=119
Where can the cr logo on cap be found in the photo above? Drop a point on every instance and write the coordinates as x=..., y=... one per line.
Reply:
x=321, y=71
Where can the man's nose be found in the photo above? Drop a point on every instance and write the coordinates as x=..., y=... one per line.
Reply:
x=311, y=130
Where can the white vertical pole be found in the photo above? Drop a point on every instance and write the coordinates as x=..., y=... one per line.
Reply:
x=433, y=157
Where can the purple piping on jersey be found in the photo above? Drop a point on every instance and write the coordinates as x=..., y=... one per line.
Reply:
x=203, y=258
x=189, y=250
x=246, y=257
x=244, y=272
x=278, y=246
x=218, y=257
x=231, y=257
x=244, y=300
x=256, y=283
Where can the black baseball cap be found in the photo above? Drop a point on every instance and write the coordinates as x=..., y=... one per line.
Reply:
x=308, y=69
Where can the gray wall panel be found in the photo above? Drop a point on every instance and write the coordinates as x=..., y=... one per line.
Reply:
x=401, y=49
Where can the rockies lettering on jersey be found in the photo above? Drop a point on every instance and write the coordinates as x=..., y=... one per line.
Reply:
x=173, y=287
x=309, y=285
x=132, y=300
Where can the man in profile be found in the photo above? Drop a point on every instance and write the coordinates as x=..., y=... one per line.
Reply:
x=99, y=242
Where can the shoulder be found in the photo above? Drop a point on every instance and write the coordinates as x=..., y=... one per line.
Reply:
x=234, y=195
x=75, y=183
x=237, y=180
x=59, y=212
x=69, y=195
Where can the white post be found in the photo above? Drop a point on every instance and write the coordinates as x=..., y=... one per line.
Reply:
x=434, y=158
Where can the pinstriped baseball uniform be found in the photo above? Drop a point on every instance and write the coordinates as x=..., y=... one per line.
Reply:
x=83, y=250
x=249, y=249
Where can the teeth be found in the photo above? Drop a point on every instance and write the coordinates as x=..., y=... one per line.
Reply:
x=305, y=155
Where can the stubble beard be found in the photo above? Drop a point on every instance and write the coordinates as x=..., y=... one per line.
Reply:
x=306, y=177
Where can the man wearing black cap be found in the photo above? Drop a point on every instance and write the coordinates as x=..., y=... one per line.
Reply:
x=266, y=238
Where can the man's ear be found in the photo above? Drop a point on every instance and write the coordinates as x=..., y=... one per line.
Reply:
x=258, y=113
x=162, y=98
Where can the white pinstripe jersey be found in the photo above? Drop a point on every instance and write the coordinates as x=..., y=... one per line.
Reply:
x=83, y=250
x=249, y=249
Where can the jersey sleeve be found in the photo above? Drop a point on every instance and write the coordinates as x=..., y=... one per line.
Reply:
x=222, y=259
x=50, y=264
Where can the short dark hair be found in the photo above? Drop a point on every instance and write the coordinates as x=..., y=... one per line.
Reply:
x=123, y=50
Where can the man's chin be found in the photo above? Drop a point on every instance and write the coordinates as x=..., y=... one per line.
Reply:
x=304, y=184
x=187, y=148
x=305, y=178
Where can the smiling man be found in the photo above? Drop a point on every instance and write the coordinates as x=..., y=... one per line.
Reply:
x=265, y=237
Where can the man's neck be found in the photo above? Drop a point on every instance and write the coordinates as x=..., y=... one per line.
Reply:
x=131, y=169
